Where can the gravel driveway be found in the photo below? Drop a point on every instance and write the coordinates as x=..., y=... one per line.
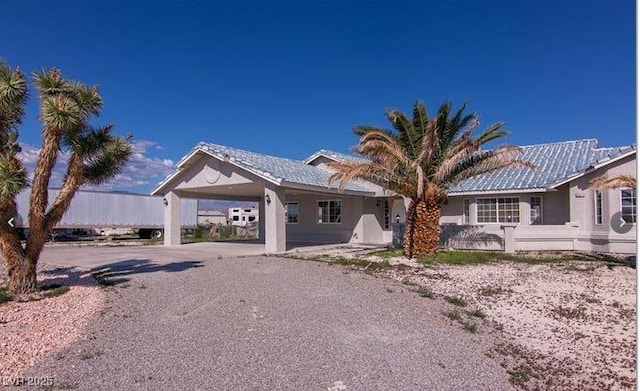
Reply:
x=265, y=323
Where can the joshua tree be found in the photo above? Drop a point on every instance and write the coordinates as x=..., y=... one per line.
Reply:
x=623, y=180
x=421, y=160
x=94, y=157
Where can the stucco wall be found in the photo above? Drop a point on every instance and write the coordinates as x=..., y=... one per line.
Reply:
x=555, y=207
x=361, y=220
x=207, y=172
x=595, y=237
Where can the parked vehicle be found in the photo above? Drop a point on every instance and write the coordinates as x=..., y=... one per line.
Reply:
x=105, y=213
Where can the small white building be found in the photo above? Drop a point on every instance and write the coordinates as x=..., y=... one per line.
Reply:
x=209, y=217
x=241, y=216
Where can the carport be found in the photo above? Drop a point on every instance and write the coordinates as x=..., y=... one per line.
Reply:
x=211, y=171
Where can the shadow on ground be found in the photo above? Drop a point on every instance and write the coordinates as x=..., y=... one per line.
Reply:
x=115, y=273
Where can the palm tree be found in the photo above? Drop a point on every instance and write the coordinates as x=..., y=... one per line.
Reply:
x=95, y=156
x=623, y=180
x=421, y=159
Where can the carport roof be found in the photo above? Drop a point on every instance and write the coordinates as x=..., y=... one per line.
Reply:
x=278, y=170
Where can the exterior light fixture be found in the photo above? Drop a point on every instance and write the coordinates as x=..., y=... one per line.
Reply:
x=165, y=202
x=268, y=199
x=397, y=218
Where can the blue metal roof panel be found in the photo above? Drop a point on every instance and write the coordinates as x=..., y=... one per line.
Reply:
x=554, y=162
x=278, y=168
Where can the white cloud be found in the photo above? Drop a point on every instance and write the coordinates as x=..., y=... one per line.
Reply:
x=141, y=171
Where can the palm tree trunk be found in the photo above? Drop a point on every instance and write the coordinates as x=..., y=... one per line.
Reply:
x=422, y=234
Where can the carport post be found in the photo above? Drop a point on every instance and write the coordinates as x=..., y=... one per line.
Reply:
x=172, y=219
x=275, y=233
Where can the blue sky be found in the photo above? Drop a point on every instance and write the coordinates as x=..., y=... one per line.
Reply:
x=289, y=78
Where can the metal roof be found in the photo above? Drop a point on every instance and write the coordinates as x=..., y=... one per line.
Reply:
x=336, y=156
x=271, y=168
x=555, y=164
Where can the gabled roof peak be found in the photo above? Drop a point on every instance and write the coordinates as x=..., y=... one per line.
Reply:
x=333, y=155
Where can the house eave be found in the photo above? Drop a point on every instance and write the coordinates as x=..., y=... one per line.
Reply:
x=331, y=190
x=499, y=191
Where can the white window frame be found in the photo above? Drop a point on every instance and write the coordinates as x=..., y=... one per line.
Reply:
x=320, y=214
x=286, y=212
x=598, y=203
x=466, y=211
x=541, y=210
x=497, y=210
x=634, y=213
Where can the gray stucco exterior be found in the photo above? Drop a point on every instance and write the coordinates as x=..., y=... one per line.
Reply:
x=568, y=218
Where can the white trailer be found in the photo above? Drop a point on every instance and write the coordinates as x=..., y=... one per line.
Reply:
x=100, y=212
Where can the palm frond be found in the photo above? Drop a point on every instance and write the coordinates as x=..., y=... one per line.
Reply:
x=427, y=155
x=408, y=136
x=616, y=182
x=493, y=132
x=361, y=130
x=482, y=162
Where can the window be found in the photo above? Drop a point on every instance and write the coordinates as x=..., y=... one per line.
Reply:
x=291, y=212
x=385, y=214
x=466, y=211
x=247, y=211
x=597, y=198
x=535, y=213
x=329, y=212
x=236, y=218
x=498, y=210
x=628, y=205
x=252, y=218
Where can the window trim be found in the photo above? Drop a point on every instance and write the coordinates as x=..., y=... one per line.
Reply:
x=466, y=211
x=541, y=210
x=286, y=212
x=329, y=200
x=497, y=210
x=620, y=199
x=598, y=219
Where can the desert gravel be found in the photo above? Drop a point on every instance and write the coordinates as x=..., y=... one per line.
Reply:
x=271, y=323
x=567, y=326
x=31, y=331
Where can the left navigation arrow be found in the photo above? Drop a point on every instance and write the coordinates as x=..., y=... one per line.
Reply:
x=10, y=222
